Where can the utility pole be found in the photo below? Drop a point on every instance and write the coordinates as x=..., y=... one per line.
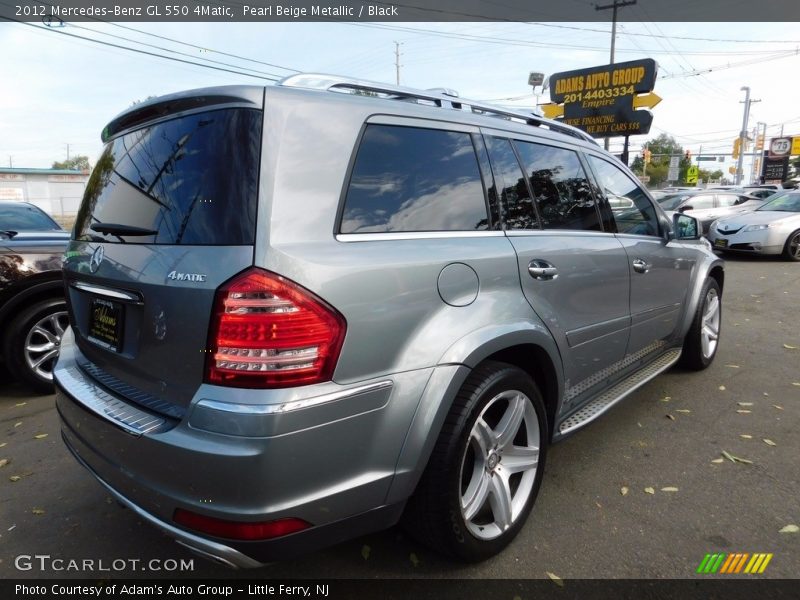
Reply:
x=743, y=133
x=10, y=161
x=616, y=5
x=397, y=62
x=67, y=151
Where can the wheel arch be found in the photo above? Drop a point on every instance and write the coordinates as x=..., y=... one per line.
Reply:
x=527, y=345
x=711, y=266
x=24, y=298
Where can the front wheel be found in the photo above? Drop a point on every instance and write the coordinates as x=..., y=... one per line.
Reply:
x=486, y=468
x=791, y=250
x=700, y=344
x=33, y=342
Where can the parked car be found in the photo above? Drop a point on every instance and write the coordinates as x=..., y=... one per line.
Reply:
x=709, y=206
x=762, y=192
x=773, y=228
x=300, y=314
x=33, y=314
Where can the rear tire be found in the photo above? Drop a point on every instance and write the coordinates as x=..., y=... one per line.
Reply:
x=33, y=341
x=791, y=249
x=701, y=343
x=486, y=468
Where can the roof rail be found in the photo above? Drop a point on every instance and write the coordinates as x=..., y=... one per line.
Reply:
x=333, y=83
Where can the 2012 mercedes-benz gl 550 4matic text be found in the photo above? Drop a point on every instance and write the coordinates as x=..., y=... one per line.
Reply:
x=300, y=314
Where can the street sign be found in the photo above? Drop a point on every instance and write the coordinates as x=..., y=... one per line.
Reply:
x=702, y=158
x=602, y=101
x=780, y=147
x=644, y=178
x=674, y=161
x=672, y=174
x=692, y=173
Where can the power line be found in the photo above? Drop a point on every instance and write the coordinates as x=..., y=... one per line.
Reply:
x=172, y=58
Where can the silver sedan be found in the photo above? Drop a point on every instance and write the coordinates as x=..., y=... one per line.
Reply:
x=774, y=228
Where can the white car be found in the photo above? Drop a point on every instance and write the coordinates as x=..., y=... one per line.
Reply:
x=774, y=228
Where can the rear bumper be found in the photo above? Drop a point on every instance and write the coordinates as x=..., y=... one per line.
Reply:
x=329, y=464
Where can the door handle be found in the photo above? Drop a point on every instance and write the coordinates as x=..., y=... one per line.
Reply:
x=641, y=266
x=542, y=270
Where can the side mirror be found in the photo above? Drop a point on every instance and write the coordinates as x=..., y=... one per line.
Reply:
x=684, y=208
x=685, y=227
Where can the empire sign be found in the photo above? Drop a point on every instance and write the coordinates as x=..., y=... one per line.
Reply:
x=602, y=101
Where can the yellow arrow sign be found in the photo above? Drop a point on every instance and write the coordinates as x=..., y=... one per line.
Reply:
x=551, y=111
x=646, y=100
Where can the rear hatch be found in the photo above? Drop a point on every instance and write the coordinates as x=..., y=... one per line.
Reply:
x=169, y=214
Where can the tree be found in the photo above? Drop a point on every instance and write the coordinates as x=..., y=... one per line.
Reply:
x=662, y=148
x=76, y=163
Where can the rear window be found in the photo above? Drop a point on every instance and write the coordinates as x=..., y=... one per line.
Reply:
x=415, y=179
x=24, y=217
x=190, y=180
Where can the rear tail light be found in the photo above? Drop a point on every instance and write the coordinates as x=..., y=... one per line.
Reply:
x=238, y=530
x=268, y=332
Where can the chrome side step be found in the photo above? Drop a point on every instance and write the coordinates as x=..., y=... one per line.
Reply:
x=609, y=398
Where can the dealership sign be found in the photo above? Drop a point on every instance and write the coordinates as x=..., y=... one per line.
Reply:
x=603, y=101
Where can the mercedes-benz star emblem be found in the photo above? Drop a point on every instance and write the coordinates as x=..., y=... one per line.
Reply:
x=96, y=259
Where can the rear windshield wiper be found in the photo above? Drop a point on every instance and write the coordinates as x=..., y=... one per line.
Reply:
x=119, y=229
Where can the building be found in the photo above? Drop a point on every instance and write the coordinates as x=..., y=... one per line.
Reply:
x=56, y=191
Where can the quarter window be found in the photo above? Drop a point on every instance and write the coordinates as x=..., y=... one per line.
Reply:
x=516, y=198
x=560, y=187
x=617, y=187
x=414, y=179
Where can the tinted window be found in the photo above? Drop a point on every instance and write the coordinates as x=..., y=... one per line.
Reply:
x=672, y=202
x=729, y=199
x=700, y=201
x=192, y=180
x=561, y=190
x=411, y=179
x=517, y=205
x=24, y=217
x=614, y=182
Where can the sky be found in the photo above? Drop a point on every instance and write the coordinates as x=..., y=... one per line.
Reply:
x=58, y=90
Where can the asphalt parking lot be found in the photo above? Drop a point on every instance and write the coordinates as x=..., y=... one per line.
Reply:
x=667, y=435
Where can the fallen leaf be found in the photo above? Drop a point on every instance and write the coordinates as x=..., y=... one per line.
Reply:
x=745, y=403
x=788, y=347
x=38, y=511
x=3, y=444
x=790, y=529
x=722, y=388
x=3, y=462
x=746, y=436
x=414, y=560
x=769, y=442
x=732, y=366
x=639, y=424
x=17, y=424
x=670, y=417
x=20, y=404
x=598, y=504
x=683, y=410
x=669, y=489
x=14, y=478
x=778, y=407
x=718, y=460
x=623, y=490
x=728, y=456
x=796, y=383
x=556, y=579
x=744, y=412
x=666, y=398
x=649, y=490
x=365, y=551
x=41, y=436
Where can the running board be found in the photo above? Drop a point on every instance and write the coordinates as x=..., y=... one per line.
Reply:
x=609, y=398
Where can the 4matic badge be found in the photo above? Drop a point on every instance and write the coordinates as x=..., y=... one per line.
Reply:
x=175, y=276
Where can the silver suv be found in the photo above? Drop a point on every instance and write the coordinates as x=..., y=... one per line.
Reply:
x=306, y=312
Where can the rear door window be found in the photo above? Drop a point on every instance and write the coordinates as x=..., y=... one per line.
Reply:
x=189, y=180
x=414, y=179
x=561, y=190
x=518, y=210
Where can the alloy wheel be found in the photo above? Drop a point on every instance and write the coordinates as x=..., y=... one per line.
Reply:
x=43, y=343
x=709, y=331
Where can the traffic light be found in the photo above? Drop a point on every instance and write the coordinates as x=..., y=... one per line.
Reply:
x=737, y=147
x=646, y=154
x=688, y=155
x=732, y=170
